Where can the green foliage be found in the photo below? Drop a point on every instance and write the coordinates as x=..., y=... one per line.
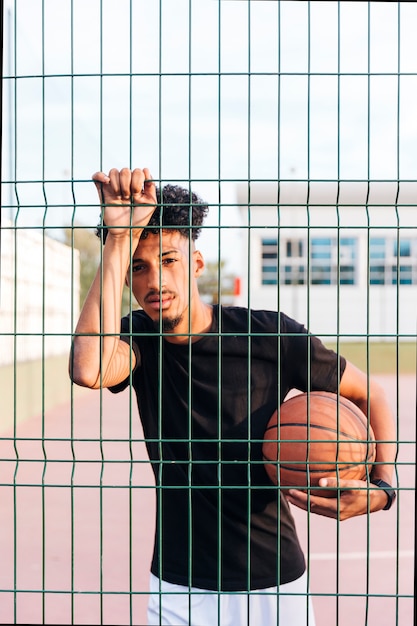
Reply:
x=214, y=273
x=88, y=245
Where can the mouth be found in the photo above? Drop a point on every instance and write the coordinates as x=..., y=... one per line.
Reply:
x=159, y=302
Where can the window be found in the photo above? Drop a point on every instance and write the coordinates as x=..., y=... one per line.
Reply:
x=294, y=248
x=321, y=255
x=331, y=261
x=392, y=261
x=291, y=268
x=404, y=247
x=348, y=256
x=377, y=248
x=270, y=261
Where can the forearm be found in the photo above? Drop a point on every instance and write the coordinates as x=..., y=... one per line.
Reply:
x=383, y=426
x=371, y=399
x=98, y=357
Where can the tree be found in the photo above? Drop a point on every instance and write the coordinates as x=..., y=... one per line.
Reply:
x=214, y=273
x=85, y=240
x=87, y=243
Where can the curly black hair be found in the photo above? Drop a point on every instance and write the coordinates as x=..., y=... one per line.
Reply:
x=172, y=212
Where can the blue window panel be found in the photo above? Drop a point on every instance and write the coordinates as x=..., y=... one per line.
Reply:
x=294, y=248
x=404, y=248
x=377, y=275
x=377, y=248
x=348, y=246
x=321, y=241
x=347, y=275
x=321, y=275
x=321, y=248
x=293, y=275
x=406, y=275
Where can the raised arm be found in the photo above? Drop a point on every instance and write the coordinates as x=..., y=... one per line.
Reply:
x=98, y=357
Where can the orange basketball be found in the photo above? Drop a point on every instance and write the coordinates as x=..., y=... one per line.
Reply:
x=319, y=434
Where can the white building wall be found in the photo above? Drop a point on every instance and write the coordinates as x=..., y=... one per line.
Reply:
x=40, y=287
x=294, y=210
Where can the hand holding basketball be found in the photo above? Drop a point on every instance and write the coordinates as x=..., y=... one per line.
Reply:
x=319, y=449
x=355, y=498
x=318, y=435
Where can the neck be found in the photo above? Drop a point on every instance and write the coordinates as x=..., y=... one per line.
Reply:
x=199, y=318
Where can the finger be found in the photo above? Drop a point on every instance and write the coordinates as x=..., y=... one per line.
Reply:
x=136, y=184
x=328, y=507
x=149, y=185
x=114, y=179
x=331, y=483
x=342, y=484
x=100, y=177
x=299, y=498
x=125, y=179
x=298, y=503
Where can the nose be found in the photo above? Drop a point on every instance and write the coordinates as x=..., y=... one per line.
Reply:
x=155, y=278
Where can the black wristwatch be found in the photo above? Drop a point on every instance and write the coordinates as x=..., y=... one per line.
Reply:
x=390, y=491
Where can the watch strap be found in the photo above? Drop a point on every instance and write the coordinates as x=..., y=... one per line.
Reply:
x=389, y=490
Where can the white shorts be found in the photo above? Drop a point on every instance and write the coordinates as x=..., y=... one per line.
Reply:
x=176, y=605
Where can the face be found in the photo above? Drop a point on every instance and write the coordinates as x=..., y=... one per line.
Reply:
x=163, y=276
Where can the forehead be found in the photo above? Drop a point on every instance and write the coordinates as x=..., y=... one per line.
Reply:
x=154, y=245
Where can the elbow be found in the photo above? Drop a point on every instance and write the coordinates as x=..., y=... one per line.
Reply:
x=82, y=379
x=81, y=373
x=377, y=392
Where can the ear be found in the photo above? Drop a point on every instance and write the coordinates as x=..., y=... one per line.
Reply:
x=199, y=263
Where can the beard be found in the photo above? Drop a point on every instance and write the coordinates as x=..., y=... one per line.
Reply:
x=168, y=324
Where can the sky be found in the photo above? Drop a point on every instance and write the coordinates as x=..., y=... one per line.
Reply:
x=212, y=91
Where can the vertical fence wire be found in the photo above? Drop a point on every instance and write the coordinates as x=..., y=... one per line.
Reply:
x=368, y=369
x=15, y=444
x=338, y=231
x=397, y=289
x=161, y=468
x=73, y=322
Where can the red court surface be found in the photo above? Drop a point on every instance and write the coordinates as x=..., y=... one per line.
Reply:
x=83, y=531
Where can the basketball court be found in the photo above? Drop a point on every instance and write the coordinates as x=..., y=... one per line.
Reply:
x=83, y=497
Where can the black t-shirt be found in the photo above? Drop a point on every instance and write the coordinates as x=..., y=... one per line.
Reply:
x=204, y=407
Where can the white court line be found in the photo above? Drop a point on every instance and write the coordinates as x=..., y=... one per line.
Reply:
x=357, y=556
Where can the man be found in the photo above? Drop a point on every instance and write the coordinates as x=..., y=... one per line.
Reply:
x=207, y=380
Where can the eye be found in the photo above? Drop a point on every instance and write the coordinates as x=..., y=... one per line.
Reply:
x=168, y=261
x=137, y=268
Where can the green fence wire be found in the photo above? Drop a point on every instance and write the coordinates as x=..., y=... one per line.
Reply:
x=295, y=121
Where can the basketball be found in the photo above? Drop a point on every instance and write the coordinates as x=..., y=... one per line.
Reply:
x=319, y=435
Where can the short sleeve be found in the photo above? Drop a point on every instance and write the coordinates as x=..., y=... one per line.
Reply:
x=313, y=366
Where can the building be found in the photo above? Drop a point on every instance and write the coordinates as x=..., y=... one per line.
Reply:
x=339, y=257
x=40, y=291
